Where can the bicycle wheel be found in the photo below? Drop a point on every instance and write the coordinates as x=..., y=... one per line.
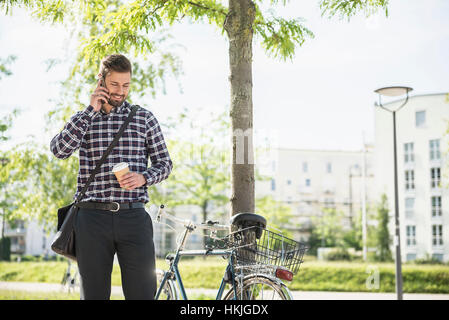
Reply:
x=169, y=291
x=259, y=287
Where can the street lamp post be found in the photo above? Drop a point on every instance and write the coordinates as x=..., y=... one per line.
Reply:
x=394, y=92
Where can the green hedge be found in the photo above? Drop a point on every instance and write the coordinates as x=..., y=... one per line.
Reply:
x=312, y=276
x=353, y=277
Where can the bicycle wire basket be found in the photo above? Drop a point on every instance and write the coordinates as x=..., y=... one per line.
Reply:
x=256, y=246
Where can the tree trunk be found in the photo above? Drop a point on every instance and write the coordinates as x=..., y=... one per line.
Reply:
x=238, y=25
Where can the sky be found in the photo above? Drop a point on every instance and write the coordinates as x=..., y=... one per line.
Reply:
x=322, y=99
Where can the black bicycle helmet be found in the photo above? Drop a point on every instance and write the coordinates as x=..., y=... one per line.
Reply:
x=247, y=219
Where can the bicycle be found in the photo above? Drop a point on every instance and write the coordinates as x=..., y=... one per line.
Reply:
x=69, y=281
x=258, y=259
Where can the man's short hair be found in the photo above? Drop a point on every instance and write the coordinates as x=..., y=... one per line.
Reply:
x=115, y=62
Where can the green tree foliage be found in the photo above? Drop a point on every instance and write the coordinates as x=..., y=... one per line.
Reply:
x=37, y=184
x=5, y=205
x=4, y=63
x=328, y=231
x=6, y=124
x=382, y=233
x=279, y=216
x=352, y=238
x=348, y=8
x=328, y=228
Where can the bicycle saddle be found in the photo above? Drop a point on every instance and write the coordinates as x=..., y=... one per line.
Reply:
x=247, y=219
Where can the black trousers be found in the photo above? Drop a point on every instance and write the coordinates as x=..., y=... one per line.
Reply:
x=99, y=235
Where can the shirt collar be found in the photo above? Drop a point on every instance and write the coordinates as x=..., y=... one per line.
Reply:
x=123, y=108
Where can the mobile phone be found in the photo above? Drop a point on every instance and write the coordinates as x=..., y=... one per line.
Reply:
x=103, y=84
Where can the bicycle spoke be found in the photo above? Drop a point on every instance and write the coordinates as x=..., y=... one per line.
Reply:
x=258, y=288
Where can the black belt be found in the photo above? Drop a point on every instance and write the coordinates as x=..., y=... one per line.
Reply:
x=110, y=206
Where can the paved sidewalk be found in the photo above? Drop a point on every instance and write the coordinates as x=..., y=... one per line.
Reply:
x=297, y=295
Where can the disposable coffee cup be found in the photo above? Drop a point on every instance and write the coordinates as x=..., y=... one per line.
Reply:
x=120, y=169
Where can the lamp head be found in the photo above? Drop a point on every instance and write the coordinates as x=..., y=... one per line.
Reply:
x=393, y=91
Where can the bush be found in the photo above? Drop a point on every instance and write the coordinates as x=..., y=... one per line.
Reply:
x=374, y=256
x=36, y=258
x=428, y=260
x=352, y=277
x=30, y=258
x=339, y=254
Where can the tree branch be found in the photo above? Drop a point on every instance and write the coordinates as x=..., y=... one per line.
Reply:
x=206, y=8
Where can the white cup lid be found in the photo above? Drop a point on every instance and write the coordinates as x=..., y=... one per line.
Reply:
x=120, y=166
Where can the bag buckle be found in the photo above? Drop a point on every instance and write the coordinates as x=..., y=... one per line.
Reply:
x=118, y=207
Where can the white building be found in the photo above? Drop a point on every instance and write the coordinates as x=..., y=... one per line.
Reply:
x=29, y=238
x=311, y=180
x=422, y=142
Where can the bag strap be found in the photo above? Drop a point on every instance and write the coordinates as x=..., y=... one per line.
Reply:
x=107, y=152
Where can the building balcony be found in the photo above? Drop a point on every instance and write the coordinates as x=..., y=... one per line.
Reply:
x=10, y=232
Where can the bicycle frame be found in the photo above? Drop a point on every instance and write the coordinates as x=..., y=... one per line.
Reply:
x=230, y=275
x=174, y=271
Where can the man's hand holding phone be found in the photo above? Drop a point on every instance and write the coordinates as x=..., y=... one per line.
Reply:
x=100, y=96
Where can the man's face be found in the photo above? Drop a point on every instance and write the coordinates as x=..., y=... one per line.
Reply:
x=118, y=85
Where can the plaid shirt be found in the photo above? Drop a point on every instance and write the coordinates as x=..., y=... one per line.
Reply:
x=92, y=132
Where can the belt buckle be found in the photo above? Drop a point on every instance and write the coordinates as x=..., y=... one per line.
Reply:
x=118, y=207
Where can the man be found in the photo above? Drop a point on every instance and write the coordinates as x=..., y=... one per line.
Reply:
x=112, y=217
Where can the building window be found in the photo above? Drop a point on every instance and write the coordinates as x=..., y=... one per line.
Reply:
x=420, y=117
x=436, y=206
x=308, y=183
x=408, y=153
x=409, y=207
x=411, y=256
x=289, y=182
x=409, y=180
x=411, y=236
x=435, y=174
x=438, y=256
x=437, y=235
x=434, y=147
x=305, y=167
x=273, y=185
x=329, y=167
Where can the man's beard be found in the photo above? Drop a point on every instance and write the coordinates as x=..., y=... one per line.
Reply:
x=116, y=103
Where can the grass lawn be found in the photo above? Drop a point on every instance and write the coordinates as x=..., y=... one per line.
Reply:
x=313, y=275
x=25, y=295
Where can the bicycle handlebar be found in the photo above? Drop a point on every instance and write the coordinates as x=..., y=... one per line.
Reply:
x=185, y=222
